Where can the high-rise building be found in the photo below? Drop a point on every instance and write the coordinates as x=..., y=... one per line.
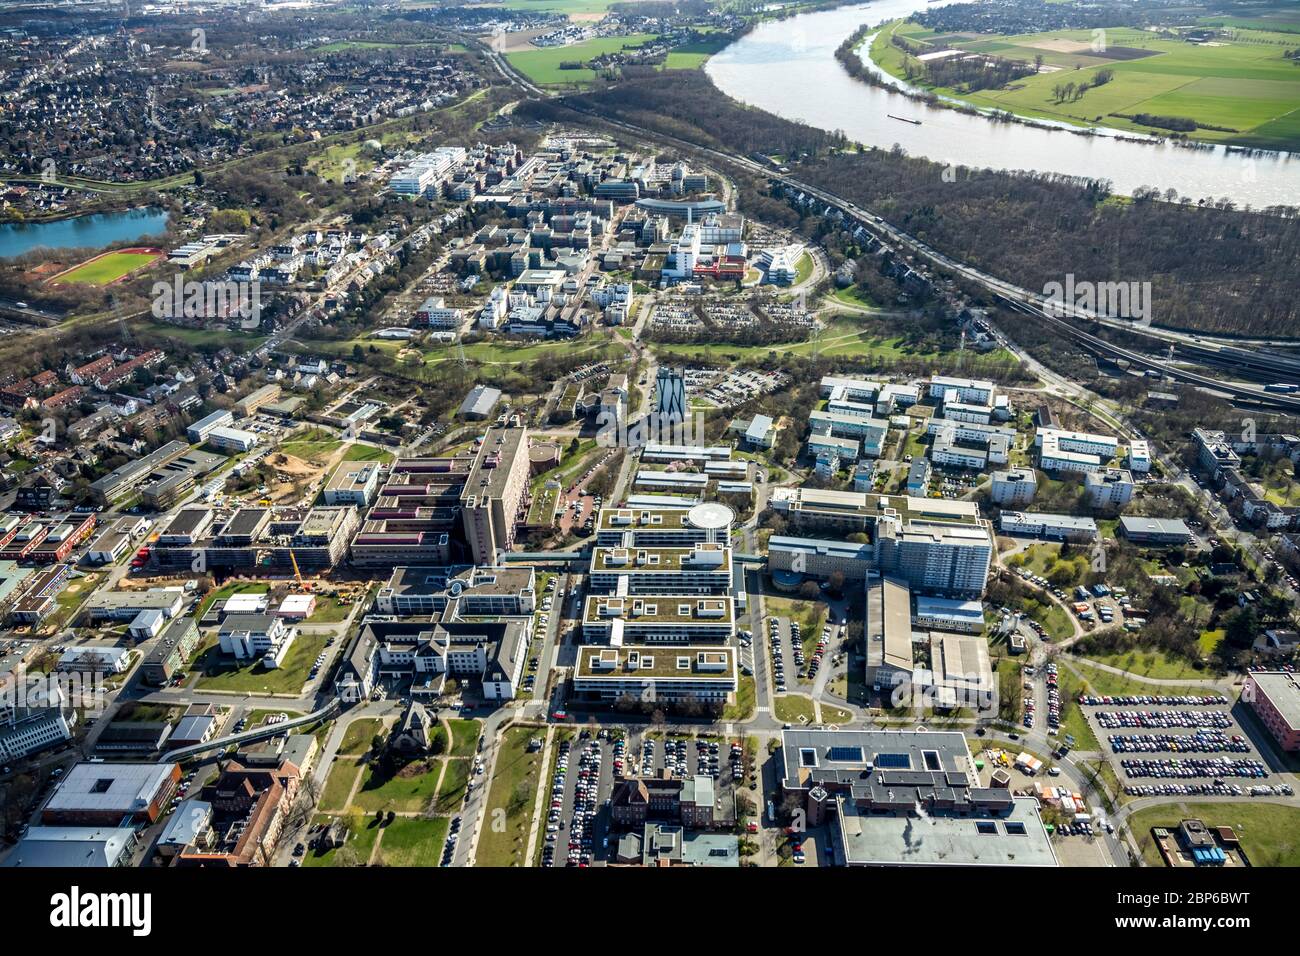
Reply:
x=493, y=497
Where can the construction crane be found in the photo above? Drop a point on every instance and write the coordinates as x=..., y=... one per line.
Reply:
x=296, y=573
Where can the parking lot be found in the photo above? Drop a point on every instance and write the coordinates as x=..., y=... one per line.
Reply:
x=577, y=804
x=1187, y=745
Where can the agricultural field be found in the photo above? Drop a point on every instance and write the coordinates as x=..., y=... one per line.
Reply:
x=109, y=267
x=544, y=66
x=692, y=56
x=1239, y=89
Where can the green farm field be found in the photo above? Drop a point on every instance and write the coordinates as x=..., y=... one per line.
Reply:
x=1240, y=89
x=543, y=66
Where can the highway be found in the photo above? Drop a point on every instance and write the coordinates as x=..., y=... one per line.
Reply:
x=1022, y=300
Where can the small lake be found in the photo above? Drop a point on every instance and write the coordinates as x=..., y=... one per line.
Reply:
x=92, y=231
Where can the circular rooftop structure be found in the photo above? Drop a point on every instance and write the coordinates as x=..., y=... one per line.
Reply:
x=787, y=580
x=711, y=516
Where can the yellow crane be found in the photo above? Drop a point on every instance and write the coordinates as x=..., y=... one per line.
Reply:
x=296, y=573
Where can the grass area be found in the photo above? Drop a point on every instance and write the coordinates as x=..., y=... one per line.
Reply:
x=1269, y=833
x=789, y=708
x=835, y=715
x=358, y=452
x=692, y=56
x=222, y=673
x=409, y=791
x=356, y=740
x=743, y=708
x=503, y=839
x=542, y=510
x=411, y=841
x=1107, y=684
x=255, y=718
x=315, y=452
x=803, y=269
x=214, y=338
x=1240, y=89
x=1154, y=663
x=451, y=792
x=464, y=737
x=1073, y=721
x=547, y=66
x=363, y=833
x=855, y=297
x=329, y=611
x=338, y=785
x=107, y=268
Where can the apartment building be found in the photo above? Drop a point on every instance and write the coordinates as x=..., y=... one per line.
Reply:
x=1013, y=488
x=973, y=391
x=1108, y=488
x=1054, y=527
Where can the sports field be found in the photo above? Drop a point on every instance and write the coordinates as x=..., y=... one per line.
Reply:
x=543, y=66
x=109, y=266
x=1238, y=88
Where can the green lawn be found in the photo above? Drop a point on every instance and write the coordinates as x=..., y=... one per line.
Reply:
x=1105, y=683
x=1073, y=722
x=338, y=785
x=408, y=792
x=1269, y=833
x=451, y=793
x=362, y=836
x=743, y=708
x=412, y=842
x=464, y=734
x=1153, y=663
x=544, y=66
x=221, y=673
x=503, y=839
x=359, y=452
x=329, y=611
x=788, y=708
x=356, y=740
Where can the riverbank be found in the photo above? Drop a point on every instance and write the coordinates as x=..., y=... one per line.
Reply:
x=789, y=69
x=1129, y=86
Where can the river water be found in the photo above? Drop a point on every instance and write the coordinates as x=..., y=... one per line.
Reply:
x=788, y=67
x=92, y=231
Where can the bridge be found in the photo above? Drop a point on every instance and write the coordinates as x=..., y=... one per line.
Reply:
x=265, y=732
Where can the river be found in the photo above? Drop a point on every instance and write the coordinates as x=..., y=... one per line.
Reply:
x=92, y=231
x=788, y=67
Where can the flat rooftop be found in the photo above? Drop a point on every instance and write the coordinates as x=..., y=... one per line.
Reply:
x=657, y=661
x=1283, y=691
